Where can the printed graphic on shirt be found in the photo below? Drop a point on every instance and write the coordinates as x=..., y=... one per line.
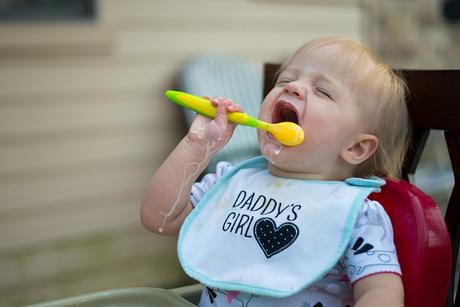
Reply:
x=229, y=298
x=218, y=297
x=359, y=248
x=367, y=257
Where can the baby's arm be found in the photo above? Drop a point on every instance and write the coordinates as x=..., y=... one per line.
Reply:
x=166, y=201
x=371, y=259
x=383, y=290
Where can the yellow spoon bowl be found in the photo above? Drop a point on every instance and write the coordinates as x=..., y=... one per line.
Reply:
x=286, y=133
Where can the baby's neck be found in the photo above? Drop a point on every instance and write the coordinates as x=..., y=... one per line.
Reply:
x=338, y=176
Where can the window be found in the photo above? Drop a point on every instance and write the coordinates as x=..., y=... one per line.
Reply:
x=47, y=10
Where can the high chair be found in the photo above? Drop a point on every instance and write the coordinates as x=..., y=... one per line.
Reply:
x=421, y=233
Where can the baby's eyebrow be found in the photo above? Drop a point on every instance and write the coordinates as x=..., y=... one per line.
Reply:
x=325, y=78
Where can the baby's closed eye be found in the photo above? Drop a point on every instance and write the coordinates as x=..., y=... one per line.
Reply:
x=324, y=92
x=283, y=81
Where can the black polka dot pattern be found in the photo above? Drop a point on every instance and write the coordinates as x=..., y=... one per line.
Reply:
x=272, y=239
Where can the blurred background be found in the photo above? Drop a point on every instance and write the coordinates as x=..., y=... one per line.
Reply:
x=84, y=124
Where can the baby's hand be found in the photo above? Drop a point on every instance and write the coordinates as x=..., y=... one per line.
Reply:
x=214, y=133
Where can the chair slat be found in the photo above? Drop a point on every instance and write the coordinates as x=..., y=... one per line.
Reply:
x=414, y=152
x=453, y=211
x=434, y=100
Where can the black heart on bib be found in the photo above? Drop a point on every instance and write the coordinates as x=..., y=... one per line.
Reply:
x=272, y=239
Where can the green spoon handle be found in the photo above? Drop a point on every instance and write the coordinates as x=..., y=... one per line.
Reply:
x=204, y=107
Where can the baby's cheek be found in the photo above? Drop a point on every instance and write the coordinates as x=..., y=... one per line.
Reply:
x=264, y=117
x=264, y=114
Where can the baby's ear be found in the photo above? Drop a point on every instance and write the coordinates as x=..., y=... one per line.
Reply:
x=363, y=147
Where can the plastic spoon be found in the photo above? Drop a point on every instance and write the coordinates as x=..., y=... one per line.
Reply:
x=287, y=133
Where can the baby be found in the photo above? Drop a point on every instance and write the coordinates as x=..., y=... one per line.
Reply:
x=293, y=227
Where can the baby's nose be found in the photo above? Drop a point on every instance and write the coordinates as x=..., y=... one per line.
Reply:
x=295, y=89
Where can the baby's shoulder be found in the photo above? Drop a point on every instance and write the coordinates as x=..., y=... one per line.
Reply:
x=208, y=180
x=373, y=213
x=222, y=168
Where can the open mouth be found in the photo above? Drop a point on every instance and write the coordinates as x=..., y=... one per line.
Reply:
x=285, y=112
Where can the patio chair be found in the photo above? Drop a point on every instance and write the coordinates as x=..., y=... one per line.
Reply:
x=226, y=76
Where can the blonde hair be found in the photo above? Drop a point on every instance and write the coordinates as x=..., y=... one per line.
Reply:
x=381, y=92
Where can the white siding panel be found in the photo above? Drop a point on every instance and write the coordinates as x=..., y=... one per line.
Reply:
x=60, y=224
x=39, y=117
x=67, y=79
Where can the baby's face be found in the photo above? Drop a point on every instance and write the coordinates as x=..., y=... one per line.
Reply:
x=313, y=92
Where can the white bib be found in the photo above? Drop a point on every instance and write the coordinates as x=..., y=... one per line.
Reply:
x=261, y=234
